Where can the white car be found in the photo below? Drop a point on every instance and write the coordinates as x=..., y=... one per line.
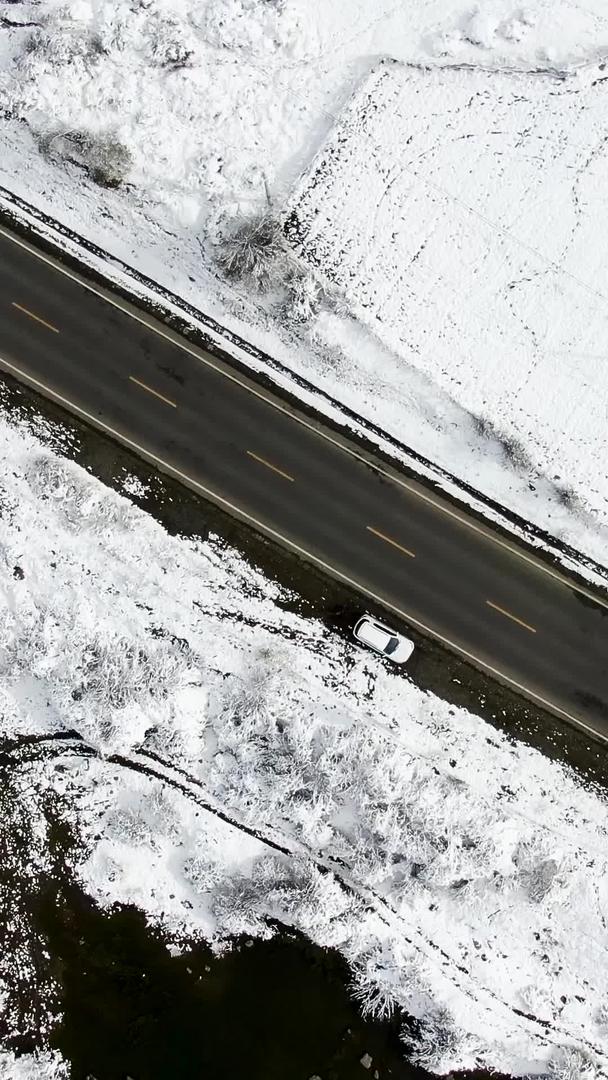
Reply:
x=383, y=640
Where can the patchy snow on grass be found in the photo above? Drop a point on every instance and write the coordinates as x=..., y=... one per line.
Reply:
x=132, y=485
x=161, y=129
x=250, y=765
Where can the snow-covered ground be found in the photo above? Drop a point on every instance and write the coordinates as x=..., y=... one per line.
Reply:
x=208, y=112
x=463, y=876
x=460, y=214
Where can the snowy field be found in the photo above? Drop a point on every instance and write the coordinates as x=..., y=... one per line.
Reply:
x=461, y=215
x=289, y=775
x=206, y=114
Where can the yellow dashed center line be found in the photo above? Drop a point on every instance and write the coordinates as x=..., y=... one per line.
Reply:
x=508, y=614
x=166, y=400
x=393, y=543
x=30, y=315
x=262, y=461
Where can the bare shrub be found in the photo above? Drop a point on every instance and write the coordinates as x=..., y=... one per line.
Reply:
x=254, y=253
x=515, y=452
x=485, y=427
x=202, y=871
x=569, y=499
x=62, y=44
x=512, y=448
x=102, y=156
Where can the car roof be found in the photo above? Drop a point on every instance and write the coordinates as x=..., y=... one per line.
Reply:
x=373, y=633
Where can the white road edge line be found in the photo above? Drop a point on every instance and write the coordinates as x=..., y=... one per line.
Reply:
x=172, y=470
x=199, y=355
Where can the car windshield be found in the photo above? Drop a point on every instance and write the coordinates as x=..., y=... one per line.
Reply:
x=392, y=645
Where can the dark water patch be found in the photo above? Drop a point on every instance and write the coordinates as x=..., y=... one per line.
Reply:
x=28, y=863
x=272, y=1010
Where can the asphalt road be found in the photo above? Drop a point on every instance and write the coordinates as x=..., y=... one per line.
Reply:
x=434, y=568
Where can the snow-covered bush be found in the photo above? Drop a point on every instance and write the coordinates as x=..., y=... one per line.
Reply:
x=116, y=672
x=572, y=1064
x=145, y=821
x=536, y=868
x=294, y=892
x=515, y=453
x=61, y=42
x=171, y=42
x=569, y=498
x=377, y=981
x=304, y=296
x=540, y=880
x=75, y=498
x=536, y=1001
x=239, y=907
x=113, y=690
x=178, y=738
x=255, y=27
x=7, y=504
x=120, y=688
x=601, y=1016
x=438, y=1043
x=258, y=693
